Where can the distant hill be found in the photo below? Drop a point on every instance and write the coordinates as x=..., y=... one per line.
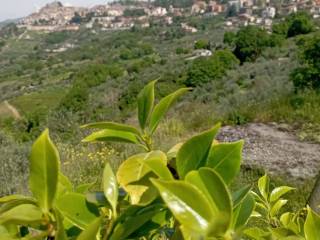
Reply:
x=6, y=22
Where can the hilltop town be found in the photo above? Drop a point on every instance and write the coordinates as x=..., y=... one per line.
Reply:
x=119, y=15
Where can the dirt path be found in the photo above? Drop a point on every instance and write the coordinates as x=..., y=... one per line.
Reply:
x=271, y=147
x=13, y=111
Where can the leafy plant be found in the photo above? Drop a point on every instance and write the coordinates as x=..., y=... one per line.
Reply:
x=182, y=194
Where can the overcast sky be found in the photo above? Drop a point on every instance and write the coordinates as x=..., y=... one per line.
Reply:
x=10, y=9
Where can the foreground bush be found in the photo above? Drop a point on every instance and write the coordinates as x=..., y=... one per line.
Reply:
x=181, y=194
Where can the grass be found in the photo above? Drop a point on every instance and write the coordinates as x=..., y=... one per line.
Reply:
x=44, y=99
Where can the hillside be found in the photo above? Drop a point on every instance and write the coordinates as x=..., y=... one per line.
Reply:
x=65, y=79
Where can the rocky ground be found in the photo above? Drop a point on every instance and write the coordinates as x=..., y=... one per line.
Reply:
x=276, y=149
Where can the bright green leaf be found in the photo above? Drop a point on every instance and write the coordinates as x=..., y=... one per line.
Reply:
x=157, y=163
x=215, y=190
x=312, y=225
x=225, y=158
x=91, y=232
x=44, y=169
x=74, y=207
x=64, y=185
x=194, y=153
x=110, y=187
x=187, y=203
x=112, y=136
x=22, y=214
x=163, y=106
x=113, y=126
x=145, y=103
x=277, y=206
x=132, y=176
x=61, y=233
x=263, y=185
x=279, y=192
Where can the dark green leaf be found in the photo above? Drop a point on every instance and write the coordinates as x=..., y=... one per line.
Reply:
x=194, y=153
x=243, y=211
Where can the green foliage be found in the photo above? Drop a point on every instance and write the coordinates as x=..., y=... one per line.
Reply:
x=299, y=23
x=204, y=70
x=202, y=44
x=229, y=38
x=250, y=42
x=155, y=203
x=308, y=75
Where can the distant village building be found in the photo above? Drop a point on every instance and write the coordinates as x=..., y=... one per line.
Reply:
x=188, y=28
x=269, y=12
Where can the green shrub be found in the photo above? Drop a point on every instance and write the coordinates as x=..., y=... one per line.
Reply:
x=204, y=70
x=202, y=44
x=181, y=194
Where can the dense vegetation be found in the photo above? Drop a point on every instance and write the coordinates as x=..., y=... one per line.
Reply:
x=183, y=194
x=63, y=80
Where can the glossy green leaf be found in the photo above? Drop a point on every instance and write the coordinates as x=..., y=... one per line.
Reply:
x=22, y=214
x=288, y=220
x=132, y=176
x=132, y=170
x=113, y=126
x=215, y=190
x=225, y=158
x=156, y=161
x=277, y=206
x=74, y=207
x=263, y=186
x=194, y=153
x=91, y=232
x=312, y=225
x=60, y=233
x=12, y=201
x=145, y=103
x=112, y=136
x=242, y=212
x=44, y=170
x=163, y=106
x=110, y=187
x=132, y=220
x=9, y=198
x=240, y=195
x=278, y=192
x=187, y=203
